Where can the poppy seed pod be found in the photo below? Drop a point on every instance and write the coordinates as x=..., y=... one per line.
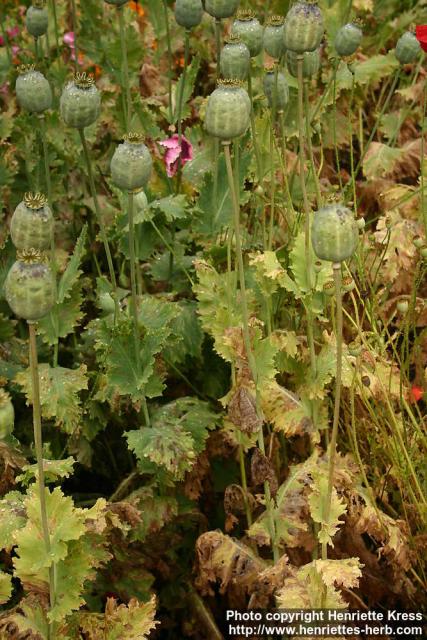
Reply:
x=221, y=8
x=131, y=163
x=33, y=91
x=7, y=415
x=30, y=286
x=235, y=59
x=304, y=27
x=228, y=110
x=273, y=36
x=334, y=233
x=80, y=102
x=117, y=3
x=348, y=39
x=282, y=92
x=31, y=226
x=36, y=19
x=247, y=27
x=407, y=48
x=188, y=13
x=310, y=63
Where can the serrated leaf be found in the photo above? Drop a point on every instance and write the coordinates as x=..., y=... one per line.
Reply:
x=215, y=214
x=173, y=207
x=177, y=435
x=5, y=587
x=375, y=68
x=59, y=393
x=343, y=573
x=285, y=411
x=298, y=267
x=63, y=318
x=133, y=621
x=33, y=619
x=329, y=523
x=155, y=511
x=53, y=469
x=188, y=332
x=380, y=160
x=189, y=80
x=65, y=523
x=72, y=272
x=12, y=518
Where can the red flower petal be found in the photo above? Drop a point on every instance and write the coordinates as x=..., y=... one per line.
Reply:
x=416, y=394
x=421, y=35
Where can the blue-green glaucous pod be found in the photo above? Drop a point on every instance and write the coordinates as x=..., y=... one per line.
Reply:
x=348, y=38
x=334, y=233
x=221, y=8
x=36, y=18
x=235, y=59
x=273, y=41
x=407, y=48
x=282, y=91
x=31, y=226
x=304, y=27
x=310, y=63
x=30, y=286
x=7, y=415
x=188, y=13
x=33, y=91
x=80, y=102
x=250, y=31
x=131, y=163
x=228, y=110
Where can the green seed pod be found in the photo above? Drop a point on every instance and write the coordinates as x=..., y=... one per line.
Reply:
x=282, y=92
x=348, y=39
x=131, y=163
x=310, y=63
x=273, y=36
x=423, y=252
x=348, y=284
x=247, y=27
x=407, y=48
x=7, y=415
x=30, y=286
x=228, y=110
x=304, y=27
x=329, y=288
x=31, y=226
x=418, y=242
x=221, y=8
x=80, y=102
x=355, y=349
x=188, y=13
x=33, y=91
x=334, y=233
x=36, y=19
x=117, y=3
x=360, y=223
x=235, y=59
x=403, y=306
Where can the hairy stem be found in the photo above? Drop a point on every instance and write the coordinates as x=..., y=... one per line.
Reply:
x=55, y=22
x=253, y=126
x=310, y=145
x=74, y=21
x=100, y=221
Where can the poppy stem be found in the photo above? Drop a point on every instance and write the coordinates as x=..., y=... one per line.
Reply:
x=170, y=59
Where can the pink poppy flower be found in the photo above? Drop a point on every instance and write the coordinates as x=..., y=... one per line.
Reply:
x=176, y=152
x=69, y=38
x=13, y=32
x=421, y=34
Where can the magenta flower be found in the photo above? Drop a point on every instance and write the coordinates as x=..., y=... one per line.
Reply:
x=11, y=33
x=176, y=152
x=69, y=39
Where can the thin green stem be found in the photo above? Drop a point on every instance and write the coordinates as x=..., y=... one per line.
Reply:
x=253, y=127
x=55, y=22
x=338, y=376
x=334, y=122
x=37, y=49
x=302, y=166
x=349, y=185
x=170, y=248
x=170, y=58
x=272, y=160
x=246, y=337
x=38, y=443
x=125, y=67
x=182, y=88
x=100, y=221
x=5, y=37
x=423, y=161
x=310, y=145
x=74, y=21
x=216, y=140
x=218, y=46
